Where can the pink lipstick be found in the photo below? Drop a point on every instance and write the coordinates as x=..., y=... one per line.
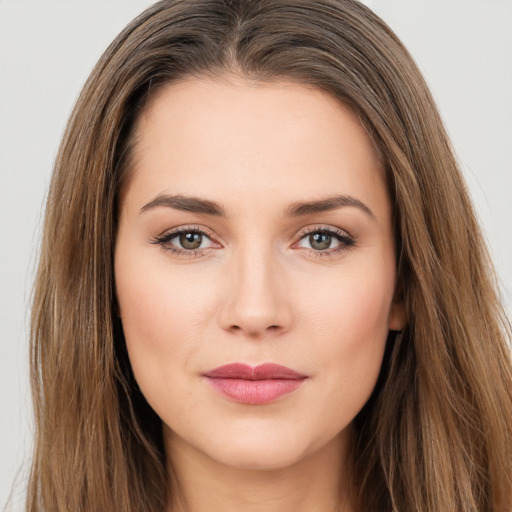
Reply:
x=254, y=385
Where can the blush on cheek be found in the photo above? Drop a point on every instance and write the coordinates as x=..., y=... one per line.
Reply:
x=356, y=309
x=355, y=352
x=141, y=313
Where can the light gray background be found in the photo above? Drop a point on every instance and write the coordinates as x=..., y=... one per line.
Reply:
x=47, y=49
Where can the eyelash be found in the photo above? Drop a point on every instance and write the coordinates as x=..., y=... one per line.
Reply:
x=164, y=240
x=346, y=241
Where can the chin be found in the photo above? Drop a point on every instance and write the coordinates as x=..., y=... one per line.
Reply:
x=260, y=450
x=248, y=455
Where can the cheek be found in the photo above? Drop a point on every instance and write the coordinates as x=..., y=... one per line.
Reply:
x=350, y=324
x=161, y=314
x=351, y=306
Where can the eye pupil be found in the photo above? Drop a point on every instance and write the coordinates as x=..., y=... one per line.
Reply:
x=191, y=240
x=320, y=241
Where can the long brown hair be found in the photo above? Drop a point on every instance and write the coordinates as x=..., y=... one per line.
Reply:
x=437, y=432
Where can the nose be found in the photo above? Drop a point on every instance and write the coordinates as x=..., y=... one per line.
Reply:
x=256, y=303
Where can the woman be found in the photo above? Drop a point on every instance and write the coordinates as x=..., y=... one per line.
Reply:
x=262, y=285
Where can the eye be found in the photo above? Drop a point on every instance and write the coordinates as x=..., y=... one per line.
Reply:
x=190, y=240
x=185, y=241
x=320, y=241
x=325, y=241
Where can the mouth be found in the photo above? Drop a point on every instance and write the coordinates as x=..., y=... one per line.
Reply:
x=254, y=385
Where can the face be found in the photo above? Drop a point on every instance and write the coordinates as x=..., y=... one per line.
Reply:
x=255, y=229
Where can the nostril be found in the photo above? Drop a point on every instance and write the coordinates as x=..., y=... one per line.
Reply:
x=254, y=332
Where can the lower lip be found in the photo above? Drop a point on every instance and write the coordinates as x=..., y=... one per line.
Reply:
x=254, y=392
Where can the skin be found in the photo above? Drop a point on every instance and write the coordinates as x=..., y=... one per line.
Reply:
x=256, y=290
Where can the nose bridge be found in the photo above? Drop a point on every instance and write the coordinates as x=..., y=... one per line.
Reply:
x=256, y=302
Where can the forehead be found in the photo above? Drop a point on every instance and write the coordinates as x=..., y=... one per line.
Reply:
x=231, y=137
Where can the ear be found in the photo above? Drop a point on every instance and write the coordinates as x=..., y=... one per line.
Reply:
x=397, y=315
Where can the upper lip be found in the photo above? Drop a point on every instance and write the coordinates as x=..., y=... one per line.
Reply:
x=260, y=372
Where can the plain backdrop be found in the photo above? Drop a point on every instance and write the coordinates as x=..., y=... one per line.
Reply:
x=47, y=49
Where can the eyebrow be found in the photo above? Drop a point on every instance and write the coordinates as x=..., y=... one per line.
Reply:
x=297, y=209
x=331, y=203
x=186, y=204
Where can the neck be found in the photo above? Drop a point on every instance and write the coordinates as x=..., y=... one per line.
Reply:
x=316, y=482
